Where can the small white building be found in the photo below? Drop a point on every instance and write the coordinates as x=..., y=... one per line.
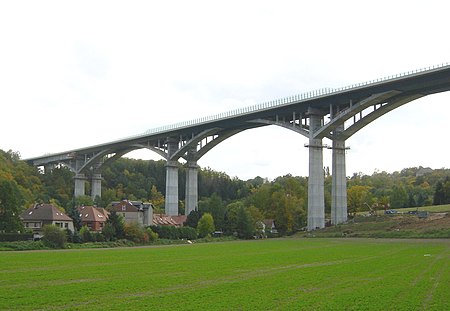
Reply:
x=36, y=217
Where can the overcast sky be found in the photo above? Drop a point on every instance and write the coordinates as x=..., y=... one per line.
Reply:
x=79, y=73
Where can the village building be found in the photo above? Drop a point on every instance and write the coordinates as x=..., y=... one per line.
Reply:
x=36, y=217
x=269, y=226
x=93, y=218
x=166, y=220
x=134, y=211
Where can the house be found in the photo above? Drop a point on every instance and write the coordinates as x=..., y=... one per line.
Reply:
x=134, y=211
x=36, y=217
x=166, y=220
x=269, y=225
x=92, y=217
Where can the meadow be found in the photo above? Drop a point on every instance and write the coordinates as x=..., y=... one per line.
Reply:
x=275, y=274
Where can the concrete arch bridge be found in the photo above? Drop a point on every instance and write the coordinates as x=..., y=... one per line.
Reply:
x=336, y=114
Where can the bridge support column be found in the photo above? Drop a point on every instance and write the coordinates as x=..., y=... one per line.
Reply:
x=339, y=184
x=316, y=199
x=80, y=181
x=191, y=187
x=96, y=186
x=171, y=206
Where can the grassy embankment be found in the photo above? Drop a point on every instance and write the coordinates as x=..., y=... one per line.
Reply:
x=277, y=274
x=400, y=225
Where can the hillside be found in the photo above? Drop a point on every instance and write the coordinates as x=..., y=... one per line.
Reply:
x=436, y=225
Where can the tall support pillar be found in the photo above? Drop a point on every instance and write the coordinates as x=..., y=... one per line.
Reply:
x=339, y=183
x=96, y=186
x=191, y=187
x=316, y=199
x=171, y=204
x=80, y=181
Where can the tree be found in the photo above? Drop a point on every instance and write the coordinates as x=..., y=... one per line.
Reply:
x=192, y=219
x=135, y=232
x=10, y=203
x=53, y=236
x=205, y=225
x=245, y=226
x=118, y=223
x=108, y=232
x=85, y=234
x=215, y=206
x=83, y=200
x=157, y=199
x=357, y=196
x=75, y=215
x=399, y=196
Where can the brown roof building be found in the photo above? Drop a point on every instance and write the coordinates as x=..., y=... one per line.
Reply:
x=166, y=220
x=40, y=215
x=92, y=217
x=134, y=211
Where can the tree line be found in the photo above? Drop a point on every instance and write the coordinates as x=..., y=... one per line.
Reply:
x=236, y=206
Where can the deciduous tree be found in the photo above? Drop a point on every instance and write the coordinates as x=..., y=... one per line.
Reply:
x=205, y=225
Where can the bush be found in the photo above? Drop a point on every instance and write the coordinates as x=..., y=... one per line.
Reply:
x=54, y=237
x=135, y=232
x=21, y=245
x=11, y=237
x=188, y=233
x=85, y=235
x=205, y=225
x=152, y=236
x=109, y=232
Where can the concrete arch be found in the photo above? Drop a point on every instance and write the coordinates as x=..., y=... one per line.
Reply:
x=286, y=125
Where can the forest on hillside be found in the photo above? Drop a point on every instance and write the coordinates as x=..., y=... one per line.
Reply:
x=283, y=199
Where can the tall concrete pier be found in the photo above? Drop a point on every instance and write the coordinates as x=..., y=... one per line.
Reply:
x=96, y=186
x=80, y=182
x=191, y=187
x=171, y=204
x=339, y=182
x=316, y=199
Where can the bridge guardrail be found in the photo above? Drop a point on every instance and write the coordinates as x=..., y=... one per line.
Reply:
x=281, y=101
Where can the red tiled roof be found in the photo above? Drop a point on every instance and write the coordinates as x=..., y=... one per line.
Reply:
x=91, y=213
x=166, y=220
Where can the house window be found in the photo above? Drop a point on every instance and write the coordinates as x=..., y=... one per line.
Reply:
x=66, y=225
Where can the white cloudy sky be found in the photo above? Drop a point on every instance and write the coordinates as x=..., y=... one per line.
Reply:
x=78, y=73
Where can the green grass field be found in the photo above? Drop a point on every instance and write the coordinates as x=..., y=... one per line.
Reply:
x=276, y=274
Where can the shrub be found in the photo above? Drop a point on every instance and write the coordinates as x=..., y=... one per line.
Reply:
x=188, y=233
x=134, y=232
x=11, y=237
x=152, y=236
x=53, y=237
x=205, y=225
x=86, y=235
x=98, y=237
x=109, y=232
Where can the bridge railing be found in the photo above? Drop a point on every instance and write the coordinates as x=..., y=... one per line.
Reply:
x=281, y=101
